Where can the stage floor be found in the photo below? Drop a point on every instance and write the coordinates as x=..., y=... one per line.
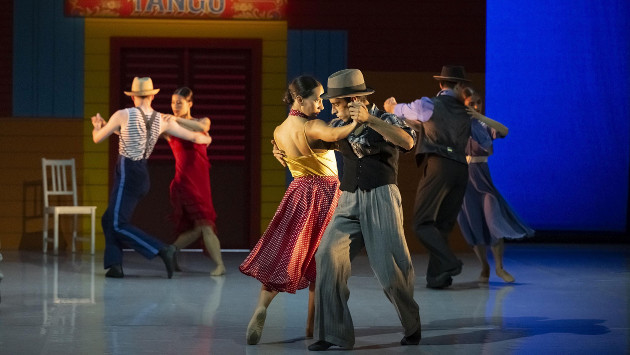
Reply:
x=567, y=299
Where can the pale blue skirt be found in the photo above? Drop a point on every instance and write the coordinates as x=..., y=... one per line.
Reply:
x=486, y=217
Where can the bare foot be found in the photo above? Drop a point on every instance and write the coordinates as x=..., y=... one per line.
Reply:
x=309, y=332
x=505, y=275
x=255, y=326
x=218, y=271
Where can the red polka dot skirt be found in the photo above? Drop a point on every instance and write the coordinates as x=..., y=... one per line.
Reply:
x=283, y=259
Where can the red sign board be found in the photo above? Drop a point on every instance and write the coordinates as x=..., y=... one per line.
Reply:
x=180, y=9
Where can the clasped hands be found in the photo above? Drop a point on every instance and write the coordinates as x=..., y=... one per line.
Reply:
x=358, y=112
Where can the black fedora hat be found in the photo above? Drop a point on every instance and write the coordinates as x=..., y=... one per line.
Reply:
x=346, y=83
x=452, y=73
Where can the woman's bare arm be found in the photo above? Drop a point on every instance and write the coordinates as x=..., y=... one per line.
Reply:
x=195, y=125
x=501, y=129
x=318, y=129
x=174, y=129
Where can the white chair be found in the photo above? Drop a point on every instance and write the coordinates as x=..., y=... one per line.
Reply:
x=59, y=179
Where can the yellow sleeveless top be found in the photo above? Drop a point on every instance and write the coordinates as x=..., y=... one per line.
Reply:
x=318, y=164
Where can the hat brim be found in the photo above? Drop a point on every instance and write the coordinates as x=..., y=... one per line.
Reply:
x=142, y=93
x=450, y=78
x=328, y=96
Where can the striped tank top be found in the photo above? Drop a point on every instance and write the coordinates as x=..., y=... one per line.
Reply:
x=133, y=142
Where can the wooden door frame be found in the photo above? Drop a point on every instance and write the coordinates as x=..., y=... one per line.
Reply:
x=255, y=45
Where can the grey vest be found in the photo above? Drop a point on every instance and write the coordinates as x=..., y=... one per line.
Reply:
x=446, y=133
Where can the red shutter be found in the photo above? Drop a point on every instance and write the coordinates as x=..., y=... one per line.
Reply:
x=220, y=79
x=225, y=76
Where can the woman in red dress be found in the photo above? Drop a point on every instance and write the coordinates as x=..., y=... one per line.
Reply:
x=191, y=196
x=283, y=259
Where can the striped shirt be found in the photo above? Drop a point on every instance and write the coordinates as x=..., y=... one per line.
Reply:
x=132, y=142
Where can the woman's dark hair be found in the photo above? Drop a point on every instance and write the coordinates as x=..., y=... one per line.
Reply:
x=184, y=92
x=303, y=86
x=468, y=92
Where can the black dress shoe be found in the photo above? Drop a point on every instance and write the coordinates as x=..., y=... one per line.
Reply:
x=445, y=278
x=320, y=345
x=442, y=283
x=115, y=271
x=167, y=253
x=413, y=339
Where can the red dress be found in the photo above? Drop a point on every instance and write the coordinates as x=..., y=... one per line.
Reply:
x=191, y=196
x=283, y=259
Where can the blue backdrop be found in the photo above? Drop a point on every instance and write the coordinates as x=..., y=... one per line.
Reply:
x=557, y=74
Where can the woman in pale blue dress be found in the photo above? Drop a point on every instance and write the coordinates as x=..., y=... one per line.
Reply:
x=486, y=218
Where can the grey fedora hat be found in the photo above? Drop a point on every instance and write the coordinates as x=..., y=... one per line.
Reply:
x=346, y=83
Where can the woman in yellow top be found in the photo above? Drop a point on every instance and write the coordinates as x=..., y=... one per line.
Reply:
x=283, y=259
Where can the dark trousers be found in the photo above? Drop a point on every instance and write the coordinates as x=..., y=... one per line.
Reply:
x=439, y=199
x=131, y=184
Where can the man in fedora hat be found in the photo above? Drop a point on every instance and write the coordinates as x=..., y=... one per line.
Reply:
x=369, y=215
x=138, y=129
x=444, y=127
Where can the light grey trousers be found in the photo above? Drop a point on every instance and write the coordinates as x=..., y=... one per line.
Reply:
x=372, y=219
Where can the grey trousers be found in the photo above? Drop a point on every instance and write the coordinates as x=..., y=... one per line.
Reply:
x=374, y=220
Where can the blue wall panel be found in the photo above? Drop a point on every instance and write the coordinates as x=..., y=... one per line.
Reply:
x=24, y=57
x=45, y=65
x=558, y=75
x=48, y=60
x=318, y=53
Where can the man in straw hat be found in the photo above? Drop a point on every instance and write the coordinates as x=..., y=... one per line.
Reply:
x=444, y=127
x=369, y=214
x=138, y=129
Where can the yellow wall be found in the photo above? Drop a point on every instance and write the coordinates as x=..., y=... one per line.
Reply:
x=23, y=144
x=97, y=59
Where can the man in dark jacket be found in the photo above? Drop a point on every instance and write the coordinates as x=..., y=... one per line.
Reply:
x=444, y=128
